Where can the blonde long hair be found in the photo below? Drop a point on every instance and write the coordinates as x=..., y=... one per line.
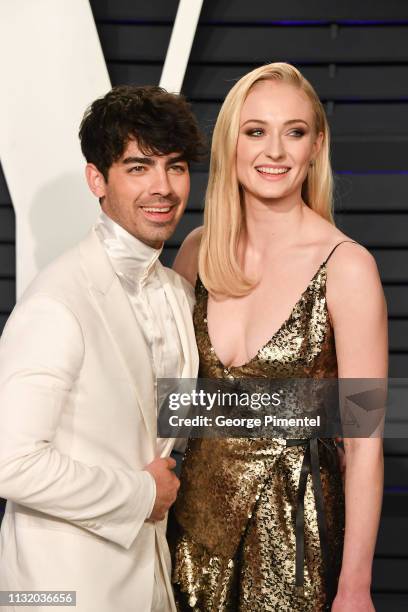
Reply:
x=218, y=264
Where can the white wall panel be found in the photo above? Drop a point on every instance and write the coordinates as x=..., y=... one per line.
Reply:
x=51, y=68
x=181, y=41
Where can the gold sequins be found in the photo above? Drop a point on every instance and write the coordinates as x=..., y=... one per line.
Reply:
x=237, y=502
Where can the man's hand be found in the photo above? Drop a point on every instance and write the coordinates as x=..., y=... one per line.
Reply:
x=167, y=485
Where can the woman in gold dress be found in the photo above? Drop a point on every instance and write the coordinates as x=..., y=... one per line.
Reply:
x=264, y=524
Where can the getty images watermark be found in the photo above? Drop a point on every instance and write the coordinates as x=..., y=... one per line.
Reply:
x=280, y=408
x=221, y=399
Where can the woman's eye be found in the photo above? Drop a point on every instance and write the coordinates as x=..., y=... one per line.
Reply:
x=255, y=132
x=297, y=133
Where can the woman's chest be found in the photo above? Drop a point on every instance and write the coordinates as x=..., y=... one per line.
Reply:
x=250, y=341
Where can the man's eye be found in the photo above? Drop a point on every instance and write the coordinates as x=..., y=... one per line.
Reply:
x=178, y=168
x=137, y=169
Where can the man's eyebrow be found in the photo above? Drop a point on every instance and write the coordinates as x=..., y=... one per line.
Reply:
x=147, y=161
x=175, y=160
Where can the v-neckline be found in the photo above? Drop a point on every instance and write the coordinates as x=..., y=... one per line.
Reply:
x=280, y=328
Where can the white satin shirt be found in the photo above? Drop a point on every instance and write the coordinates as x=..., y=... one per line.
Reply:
x=135, y=265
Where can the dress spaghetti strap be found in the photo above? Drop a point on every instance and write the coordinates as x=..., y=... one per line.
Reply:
x=335, y=247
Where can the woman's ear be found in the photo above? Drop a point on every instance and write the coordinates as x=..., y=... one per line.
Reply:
x=317, y=145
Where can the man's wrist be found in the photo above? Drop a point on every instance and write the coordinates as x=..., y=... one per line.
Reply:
x=151, y=486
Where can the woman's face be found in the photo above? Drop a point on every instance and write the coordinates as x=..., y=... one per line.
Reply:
x=276, y=142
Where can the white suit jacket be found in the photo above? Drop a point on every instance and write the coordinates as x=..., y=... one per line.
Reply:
x=77, y=427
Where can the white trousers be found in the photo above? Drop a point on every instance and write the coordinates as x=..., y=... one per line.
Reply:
x=160, y=601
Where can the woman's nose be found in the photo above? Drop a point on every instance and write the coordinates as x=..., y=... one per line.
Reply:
x=275, y=148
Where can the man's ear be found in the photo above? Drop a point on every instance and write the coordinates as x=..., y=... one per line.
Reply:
x=95, y=180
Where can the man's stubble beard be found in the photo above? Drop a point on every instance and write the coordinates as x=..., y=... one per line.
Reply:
x=160, y=231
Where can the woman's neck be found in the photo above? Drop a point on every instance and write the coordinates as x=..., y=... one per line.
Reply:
x=271, y=226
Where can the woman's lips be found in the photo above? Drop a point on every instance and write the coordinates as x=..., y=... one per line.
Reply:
x=272, y=173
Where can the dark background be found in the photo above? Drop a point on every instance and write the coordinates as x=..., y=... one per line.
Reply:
x=355, y=53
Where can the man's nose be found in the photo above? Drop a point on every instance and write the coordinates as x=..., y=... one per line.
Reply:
x=160, y=184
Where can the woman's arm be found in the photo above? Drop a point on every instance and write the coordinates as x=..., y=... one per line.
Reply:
x=186, y=261
x=358, y=310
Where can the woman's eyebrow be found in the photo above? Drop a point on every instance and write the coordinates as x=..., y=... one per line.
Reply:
x=296, y=121
x=253, y=120
x=290, y=121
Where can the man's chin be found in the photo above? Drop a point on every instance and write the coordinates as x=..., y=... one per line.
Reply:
x=158, y=236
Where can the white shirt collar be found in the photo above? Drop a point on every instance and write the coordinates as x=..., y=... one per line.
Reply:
x=131, y=258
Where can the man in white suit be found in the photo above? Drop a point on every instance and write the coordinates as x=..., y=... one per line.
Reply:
x=87, y=481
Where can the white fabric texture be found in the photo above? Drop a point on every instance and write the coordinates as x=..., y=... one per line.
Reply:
x=135, y=265
x=78, y=416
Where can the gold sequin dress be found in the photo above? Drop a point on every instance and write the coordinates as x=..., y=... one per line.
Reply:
x=260, y=524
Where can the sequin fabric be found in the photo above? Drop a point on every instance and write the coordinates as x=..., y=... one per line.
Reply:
x=234, y=548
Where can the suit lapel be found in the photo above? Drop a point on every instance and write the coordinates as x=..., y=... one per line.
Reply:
x=117, y=314
x=184, y=322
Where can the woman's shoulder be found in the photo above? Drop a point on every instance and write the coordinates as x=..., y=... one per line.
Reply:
x=358, y=310
x=349, y=263
x=352, y=273
x=346, y=255
x=186, y=261
x=334, y=245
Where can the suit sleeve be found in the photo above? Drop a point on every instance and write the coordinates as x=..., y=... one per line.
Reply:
x=41, y=354
x=189, y=293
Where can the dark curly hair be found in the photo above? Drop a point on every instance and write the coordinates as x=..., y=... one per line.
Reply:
x=159, y=121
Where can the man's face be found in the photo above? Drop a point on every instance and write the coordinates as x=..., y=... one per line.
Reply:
x=145, y=194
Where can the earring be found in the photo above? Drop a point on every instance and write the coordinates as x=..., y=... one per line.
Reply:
x=312, y=162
